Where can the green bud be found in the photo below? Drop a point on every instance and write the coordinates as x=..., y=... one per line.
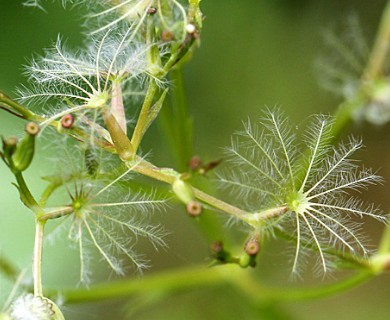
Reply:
x=9, y=146
x=245, y=260
x=23, y=155
x=183, y=191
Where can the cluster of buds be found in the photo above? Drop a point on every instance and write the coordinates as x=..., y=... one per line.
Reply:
x=246, y=259
x=18, y=155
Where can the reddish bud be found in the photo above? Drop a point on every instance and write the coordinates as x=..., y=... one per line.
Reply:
x=216, y=247
x=67, y=121
x=195, y=163
x=194, y=208
x=252, y=247
x=152, y=10
x=167, y=36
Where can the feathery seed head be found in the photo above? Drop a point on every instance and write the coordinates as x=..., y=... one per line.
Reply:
x=307, y=196
x=29, y=307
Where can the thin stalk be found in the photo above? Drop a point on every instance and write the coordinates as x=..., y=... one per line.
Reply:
x=381, y=260
x=53, y=186
x=170, y=176
x=380, y=49
x=37, y=258
x=25, y=194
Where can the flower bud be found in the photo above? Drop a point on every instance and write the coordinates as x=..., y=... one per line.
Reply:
x=67, y=121
x=152, y=10
x=9, y=146
x=24, y=152
x=194, y=208
x=167, y=36
x=219, y=253
x=195, y=163
x=245, y=260
x=252, y=247
x=183, y=191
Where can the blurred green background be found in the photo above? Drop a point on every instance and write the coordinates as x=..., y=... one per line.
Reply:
x=253, y=54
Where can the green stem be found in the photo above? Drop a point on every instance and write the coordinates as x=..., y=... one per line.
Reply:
x=258, y=293
x=378, y=57
x=373, y=70
x=343, y=115
x=169, y=176
x=384, y=246
x=181, y=280
x=37, y=259
x=49, y=191
x=177, y=124
x=143, y=116
x=253, y=219
x=15, y=108
x=25, y=194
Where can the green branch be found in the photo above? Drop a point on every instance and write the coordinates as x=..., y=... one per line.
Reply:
x=181, y=280
x=380, y=50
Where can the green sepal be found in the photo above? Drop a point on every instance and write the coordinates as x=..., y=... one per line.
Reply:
x=24, y=153
x=246, y=260
x=154, y=110
x=183, y=191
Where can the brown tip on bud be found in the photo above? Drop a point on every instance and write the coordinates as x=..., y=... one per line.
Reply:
x=195, y=163
x=212, y=164
x=152, y=10
x=32, y=128
x=167, y=36
x=194, y=208
x=10, y=142
x=216, y=247
x=252, y=247
x=386, y=264
x=67, y=121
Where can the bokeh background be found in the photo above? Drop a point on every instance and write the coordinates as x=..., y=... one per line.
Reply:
x=253, y=54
